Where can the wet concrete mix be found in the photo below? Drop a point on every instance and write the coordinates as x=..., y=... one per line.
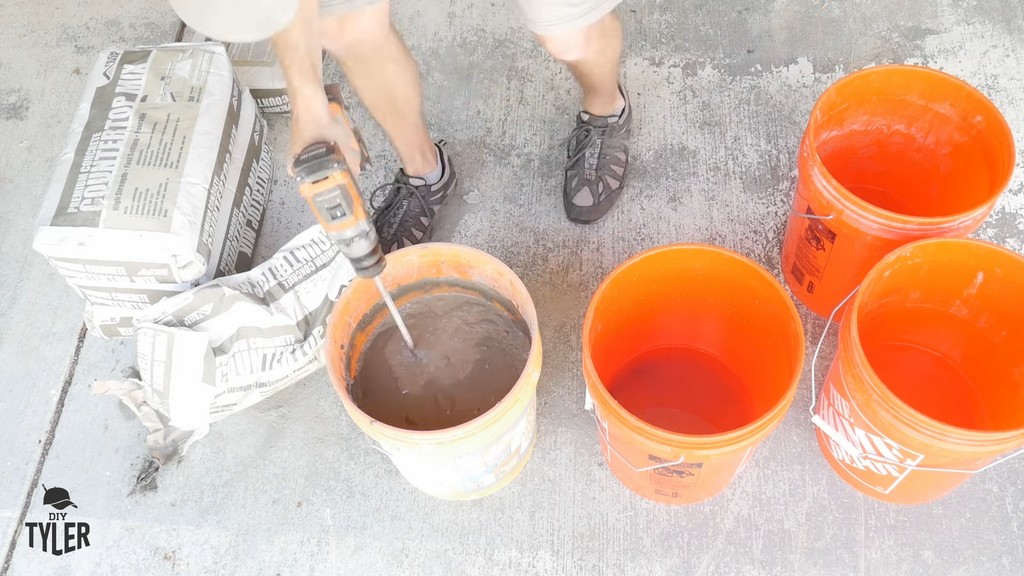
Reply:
x=469, y=353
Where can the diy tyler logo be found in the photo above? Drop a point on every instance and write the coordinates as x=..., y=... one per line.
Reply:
x=58, y=536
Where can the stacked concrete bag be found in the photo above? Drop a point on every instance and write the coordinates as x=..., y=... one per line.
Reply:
x=257, y=69
x=162, y=184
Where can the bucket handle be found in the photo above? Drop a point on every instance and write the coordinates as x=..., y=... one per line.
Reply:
x=846, y=444
x=588, y=405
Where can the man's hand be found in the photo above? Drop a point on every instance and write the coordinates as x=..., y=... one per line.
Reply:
x=312, y=124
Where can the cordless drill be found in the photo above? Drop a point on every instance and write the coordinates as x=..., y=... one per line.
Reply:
x=330, y=189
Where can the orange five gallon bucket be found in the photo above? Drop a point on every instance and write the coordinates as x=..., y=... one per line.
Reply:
x=691, y=356
x=927, y=386
x=463, y=462
x=890, y=155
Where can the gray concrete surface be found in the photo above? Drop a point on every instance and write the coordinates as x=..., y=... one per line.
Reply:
x=46, y=52
x=722, y=91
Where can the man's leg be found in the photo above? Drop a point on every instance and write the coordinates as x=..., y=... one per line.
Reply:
x=383, y=73
x=297, y=48
x=359, y=36
x=592, y=53
x=586, y=36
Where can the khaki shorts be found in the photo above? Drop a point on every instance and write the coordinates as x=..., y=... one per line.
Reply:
x=542, y=16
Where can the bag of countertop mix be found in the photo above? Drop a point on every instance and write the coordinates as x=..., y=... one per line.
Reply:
x=133, y=186
x=164, y=151
x=257, y=69
x=221, y=347
x=112, y=306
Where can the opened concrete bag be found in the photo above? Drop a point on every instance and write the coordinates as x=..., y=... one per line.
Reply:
x=221, y=347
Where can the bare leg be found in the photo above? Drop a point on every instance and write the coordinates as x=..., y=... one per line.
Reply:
x=592, y=54
x=297, y=48
x=383, y=73
x=597, y=154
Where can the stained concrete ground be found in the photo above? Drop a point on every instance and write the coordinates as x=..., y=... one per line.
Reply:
x=722, y=91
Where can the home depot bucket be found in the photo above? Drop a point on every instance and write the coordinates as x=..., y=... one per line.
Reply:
x=891, y=154
x=927, y=386
x=691, y=356
x=470, y=460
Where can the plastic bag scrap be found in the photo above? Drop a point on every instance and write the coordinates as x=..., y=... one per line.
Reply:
x=221, y=347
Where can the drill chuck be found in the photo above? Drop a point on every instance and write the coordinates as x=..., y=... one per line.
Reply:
x=367, y=258
x=360, y=246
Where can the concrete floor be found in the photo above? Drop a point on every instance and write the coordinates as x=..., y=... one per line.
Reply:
x=722, y=91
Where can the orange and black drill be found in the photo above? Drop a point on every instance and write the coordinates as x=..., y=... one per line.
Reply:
x=330, y=189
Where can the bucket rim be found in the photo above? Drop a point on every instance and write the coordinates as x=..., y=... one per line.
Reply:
x=611, y=408
x=525, y=386
x=923, y=423
x=896, y=220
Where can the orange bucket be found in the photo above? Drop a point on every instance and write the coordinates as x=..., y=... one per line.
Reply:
x=691, y=356
x=471, y=460
x=927, y=386
x=891, y=154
